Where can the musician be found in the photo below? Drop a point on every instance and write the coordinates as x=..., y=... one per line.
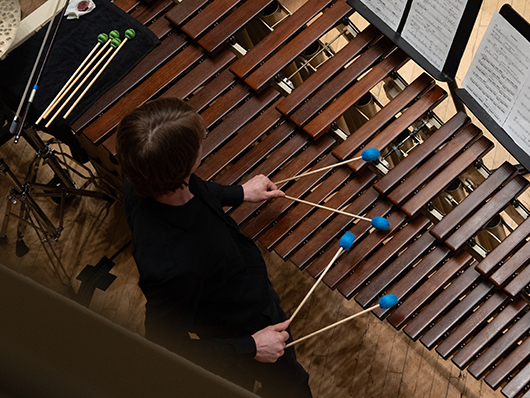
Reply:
x=208, y=294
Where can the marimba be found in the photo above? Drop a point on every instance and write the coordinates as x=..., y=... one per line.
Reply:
x=461, y=285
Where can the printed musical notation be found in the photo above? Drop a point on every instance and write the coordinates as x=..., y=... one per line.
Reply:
x=431, y=27
x=434, y=33
x=518, y=122
x=499, y=79
x=389, y=11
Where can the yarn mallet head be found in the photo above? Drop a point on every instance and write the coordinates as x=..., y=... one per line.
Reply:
x=388, y=301
x=115, y=43
x=380, y=223
x=102, y=38
x=130, y=34
x=114, y=34
x=347, y=240
x=370, y=154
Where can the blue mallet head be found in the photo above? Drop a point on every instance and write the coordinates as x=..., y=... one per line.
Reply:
x=388, y=301
x=380, y=223
x=347, y=240
x=370, y=154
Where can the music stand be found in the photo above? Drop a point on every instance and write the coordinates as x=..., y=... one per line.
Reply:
x=31, y=214
x=458, y=44
x=461, y=33
x=60, y=189
x=523, y=27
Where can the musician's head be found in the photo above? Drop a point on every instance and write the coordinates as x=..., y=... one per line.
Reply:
x=158, y=145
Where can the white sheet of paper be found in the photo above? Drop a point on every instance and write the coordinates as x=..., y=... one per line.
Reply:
x=499, y=69
x=431, y=28
x=517, y=124
x=389, y=11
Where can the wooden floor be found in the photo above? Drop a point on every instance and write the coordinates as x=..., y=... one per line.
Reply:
x=364, y=358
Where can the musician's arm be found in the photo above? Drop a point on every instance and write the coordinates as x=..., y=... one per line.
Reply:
x=257, y=189
x=172, y=309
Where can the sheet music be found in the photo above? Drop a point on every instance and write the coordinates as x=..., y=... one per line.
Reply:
x=517, y=124
x=389, y=11
x=431, y=28
x=498, y=78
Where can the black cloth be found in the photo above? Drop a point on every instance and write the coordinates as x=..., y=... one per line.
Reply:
x=200, y=274
x=75, y=40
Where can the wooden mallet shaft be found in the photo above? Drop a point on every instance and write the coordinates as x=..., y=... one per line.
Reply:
x=78, y=87
x=317, y=170
x=128, y=36
x=337, y=255
x=385, y=302
x=332, y=326
x=367, y=155
x=328, y=208
x=102, y=39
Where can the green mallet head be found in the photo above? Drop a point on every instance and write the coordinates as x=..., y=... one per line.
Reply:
x=115, y=43
x=114, y=34
x=130, y=34
x=102, y=38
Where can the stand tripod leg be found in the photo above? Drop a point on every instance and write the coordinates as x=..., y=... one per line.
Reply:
x=64, y=184
x=31, y=213
x=3, y=232
x=21, y=193
x=21, y=249
x=47, y=155
x=56, y=263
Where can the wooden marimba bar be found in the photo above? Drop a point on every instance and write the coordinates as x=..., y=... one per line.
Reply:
x=461, y=289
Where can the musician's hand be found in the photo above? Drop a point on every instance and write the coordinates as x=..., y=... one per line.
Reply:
x=270, y=342
x=260, y=188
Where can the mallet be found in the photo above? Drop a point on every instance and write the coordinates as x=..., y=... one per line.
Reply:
x=129, y=35
x=103, y=38
x=346, y=243
x=377, y=222
x=387, y=301
x=114, y=43
x=367, y=155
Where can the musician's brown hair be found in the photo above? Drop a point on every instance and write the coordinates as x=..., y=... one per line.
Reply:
x=157, y=145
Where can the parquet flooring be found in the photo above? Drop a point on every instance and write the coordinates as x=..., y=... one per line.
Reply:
x=364, y=358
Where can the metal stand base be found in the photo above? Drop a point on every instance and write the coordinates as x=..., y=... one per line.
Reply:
x=60, y=189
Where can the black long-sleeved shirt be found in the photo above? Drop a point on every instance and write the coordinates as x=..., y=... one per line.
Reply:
x=200, y=274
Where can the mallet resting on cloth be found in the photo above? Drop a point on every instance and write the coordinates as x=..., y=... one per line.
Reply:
x=377, y=222
x=368, y=155
x=384, y=302
x=114, y=43
x=346, y=243
x=103, y=38
x=129, y=35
